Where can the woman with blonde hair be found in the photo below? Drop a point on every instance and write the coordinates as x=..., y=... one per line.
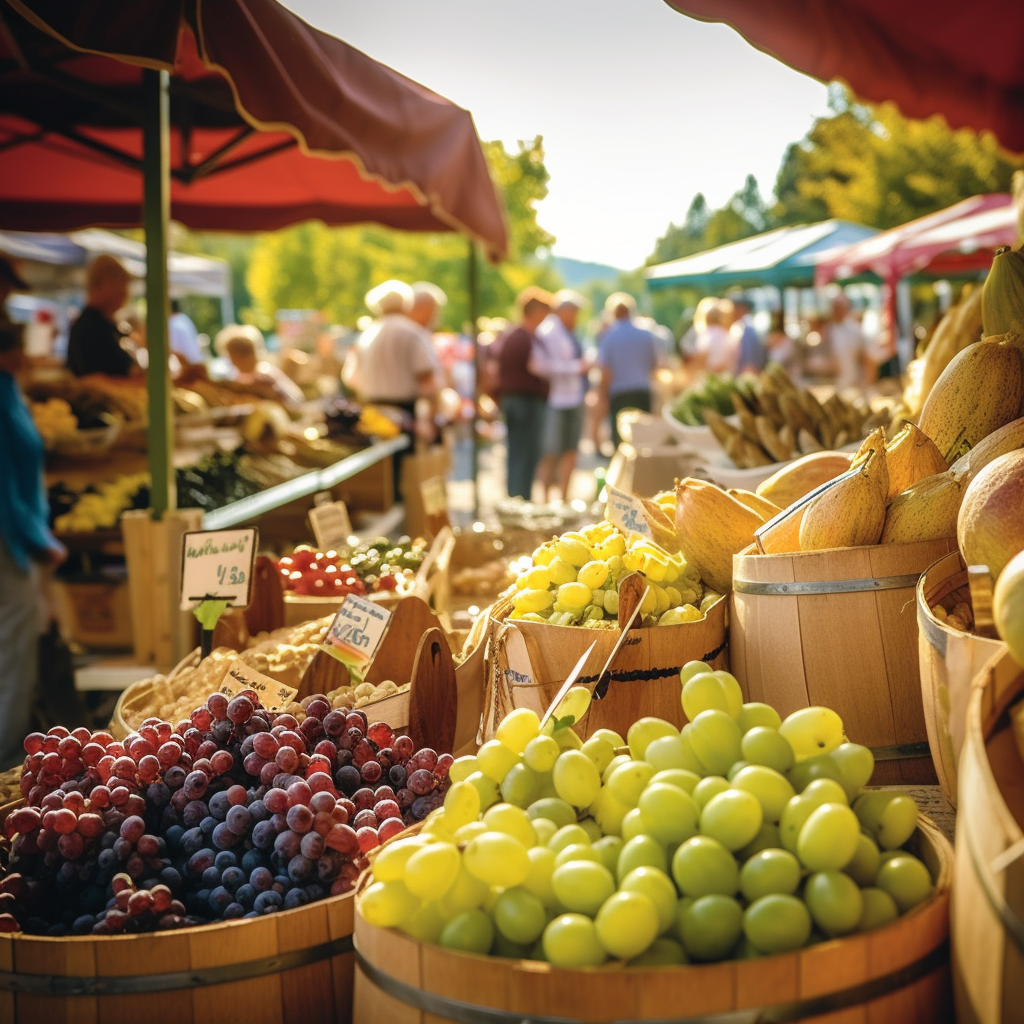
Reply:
x=716, y=349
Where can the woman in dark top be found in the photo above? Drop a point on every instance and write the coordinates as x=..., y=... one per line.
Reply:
x=94, y=345
x=524, y=395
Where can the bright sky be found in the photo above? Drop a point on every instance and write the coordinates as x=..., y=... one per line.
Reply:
x=640, y=107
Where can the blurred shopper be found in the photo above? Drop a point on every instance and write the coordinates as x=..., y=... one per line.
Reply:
x=25, y=544
x=242, y=345
x=780, y=346
x=628, y=356
x=752, y=352
x=182, y=336
x=523, y=393
x=557, y=356
x=427, y=302
x=10, y=281
x=95, y=343
x=393, y=362
x=847, y=342
x=716, y=349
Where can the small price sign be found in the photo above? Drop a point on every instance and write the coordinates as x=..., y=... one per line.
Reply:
x=239, y=676
x=217, y=565
x=626, y=511
x=331, y=526
x=356, y=630
x=435, y=497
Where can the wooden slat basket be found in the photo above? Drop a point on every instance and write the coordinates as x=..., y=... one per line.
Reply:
x=839, y=628
x=529, y=661
x=988, y=896
x=950, y=660
x=291, y=967
x=897, y=974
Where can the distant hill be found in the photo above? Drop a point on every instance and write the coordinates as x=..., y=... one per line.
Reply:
x=577, y=273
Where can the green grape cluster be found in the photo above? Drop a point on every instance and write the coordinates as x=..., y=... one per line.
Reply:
x=574, y=581
x=739, y=835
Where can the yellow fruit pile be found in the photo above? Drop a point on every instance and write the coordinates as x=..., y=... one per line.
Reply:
x=101, y=509
x=575, y=580
x=53, y=419
x=779, y=421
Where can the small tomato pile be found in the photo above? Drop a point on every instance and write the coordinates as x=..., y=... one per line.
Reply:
x=370, y=568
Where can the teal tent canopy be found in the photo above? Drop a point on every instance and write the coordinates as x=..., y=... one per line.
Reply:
x=785, y=258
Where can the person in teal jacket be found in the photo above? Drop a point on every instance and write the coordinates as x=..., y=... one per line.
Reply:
x=25, y=543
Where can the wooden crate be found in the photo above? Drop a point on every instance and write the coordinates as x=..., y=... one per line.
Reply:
x=896, y=974
x=949, y=660
x=839, y=628
x=988, y=891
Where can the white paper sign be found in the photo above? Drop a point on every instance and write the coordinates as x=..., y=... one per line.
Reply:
x=626, y=511
x=357, y=628
x=435, y=497
x=217, y=565
x=239, y=676
x=331, y=526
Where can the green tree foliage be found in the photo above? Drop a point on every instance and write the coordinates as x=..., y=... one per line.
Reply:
x=311, y=266
x=873, y=166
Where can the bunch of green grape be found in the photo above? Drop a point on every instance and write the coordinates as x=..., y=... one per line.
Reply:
x=738, y=836
x=575, y=578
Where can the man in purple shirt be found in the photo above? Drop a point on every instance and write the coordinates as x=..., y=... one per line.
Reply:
x=628, y=356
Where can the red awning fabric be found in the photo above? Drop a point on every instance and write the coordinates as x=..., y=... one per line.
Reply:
x=273, y=122
x=963, y=61
x=958, y=239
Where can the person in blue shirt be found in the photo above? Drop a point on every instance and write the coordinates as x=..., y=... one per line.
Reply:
x=628, y=357
x=753, y=353
x=25, y=543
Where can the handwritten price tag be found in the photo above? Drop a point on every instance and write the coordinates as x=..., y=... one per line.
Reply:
x=626, y=511
x=217, y=565
x=331, y=526
x=239, y=676
x=435, y=497
x=357, y=629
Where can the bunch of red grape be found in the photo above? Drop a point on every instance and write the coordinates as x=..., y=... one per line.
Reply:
x=236, y=812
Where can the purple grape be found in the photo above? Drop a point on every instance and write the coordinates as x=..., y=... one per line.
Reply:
x=223, y=837
x=300, y=868
x=226, y=859
x=421, y=781
x=232, y=878
x=371, y=772
x=194, y=812
x=195, y=785
x=300, y=818
x=312, y=845
x=287, y=843
x=219, y=804
x=263, y=835
x=267, y=902
x=245, y=895
x=348, y=779
x=397, y=774
x=334, y=723
x=238, y=820
x=232, y=910
x=261, y=879
x=240, y=709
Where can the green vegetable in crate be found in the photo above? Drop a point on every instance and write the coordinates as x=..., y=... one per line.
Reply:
x=704, y=844
x=714, y=392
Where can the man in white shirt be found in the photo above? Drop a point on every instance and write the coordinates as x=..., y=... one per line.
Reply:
x=183, y=336
x=847, y=344
x=558, y=357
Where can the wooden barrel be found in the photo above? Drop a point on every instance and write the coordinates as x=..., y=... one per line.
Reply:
x=294, y=966
x=529, y=662
x=988, y=905
x=898, y=974
x=950, y=659
x=839, y=628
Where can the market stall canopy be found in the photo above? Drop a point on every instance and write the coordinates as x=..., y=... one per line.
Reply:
x=255, y=93
x=956, y=240
x=57, y=262
x=965, y=62
x=784, y=257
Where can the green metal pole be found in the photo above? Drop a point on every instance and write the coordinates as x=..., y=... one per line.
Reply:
x=472, y=287
x=156, y=214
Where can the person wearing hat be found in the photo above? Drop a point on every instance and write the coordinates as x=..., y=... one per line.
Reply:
x=558, y=357
x=25, y=543
x=10, y=281
x=94, y=345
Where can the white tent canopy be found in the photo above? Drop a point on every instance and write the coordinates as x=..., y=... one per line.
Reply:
x=57, y=263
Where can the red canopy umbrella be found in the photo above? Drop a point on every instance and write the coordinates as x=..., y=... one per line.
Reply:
x=965, y=62
x=254, y=93
x=955, y=240
x=239, y=116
